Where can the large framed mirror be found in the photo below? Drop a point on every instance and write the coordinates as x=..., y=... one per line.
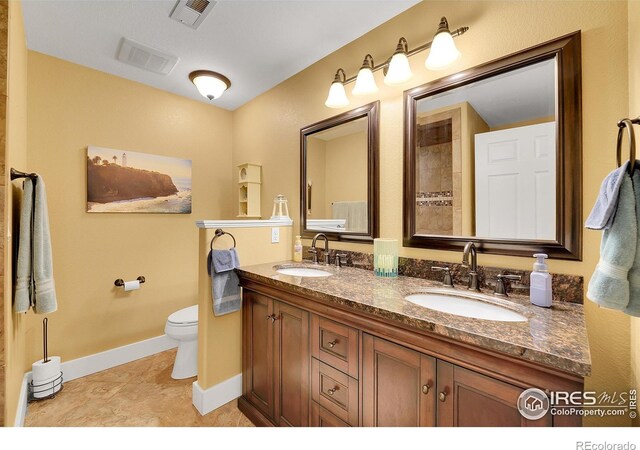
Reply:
x=339, y=176
x=493, y=155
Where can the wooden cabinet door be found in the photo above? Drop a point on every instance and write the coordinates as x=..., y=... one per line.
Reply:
x=398, y=385
x=257, y=377
x=468, y=399
x=292, y=373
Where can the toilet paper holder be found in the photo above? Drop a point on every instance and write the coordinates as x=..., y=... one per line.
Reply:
x=120, y=282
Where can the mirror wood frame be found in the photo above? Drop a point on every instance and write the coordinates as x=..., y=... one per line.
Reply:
x=568, y=243
x=370, y=112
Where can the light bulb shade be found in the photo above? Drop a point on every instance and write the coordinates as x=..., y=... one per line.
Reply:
x=210, y=84
x=399, y=70
x=443, y=51
x=365, y=83
x=337, y=97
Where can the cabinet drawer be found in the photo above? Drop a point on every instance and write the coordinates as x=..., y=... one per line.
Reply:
x=335, y=344
x=320, y=417
x=335, y=391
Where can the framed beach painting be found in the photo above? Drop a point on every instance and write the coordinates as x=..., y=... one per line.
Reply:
x=131, y=182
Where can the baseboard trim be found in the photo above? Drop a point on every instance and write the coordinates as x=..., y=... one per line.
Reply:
x=87, y=365
x=81, y=367
x=21, y=409
x=206, y=400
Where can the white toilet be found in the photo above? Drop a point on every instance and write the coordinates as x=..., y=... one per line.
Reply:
x=183, y=327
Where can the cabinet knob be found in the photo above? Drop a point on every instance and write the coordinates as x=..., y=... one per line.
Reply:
x=273, y=317
x=442, y=396
x=332, y=391
x=425, y=388
x=332, y=343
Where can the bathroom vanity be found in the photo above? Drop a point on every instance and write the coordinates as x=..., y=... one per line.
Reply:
x=349, y=350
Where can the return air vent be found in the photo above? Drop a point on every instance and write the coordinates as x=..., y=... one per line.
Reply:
x=145, y=57
x=192, y=12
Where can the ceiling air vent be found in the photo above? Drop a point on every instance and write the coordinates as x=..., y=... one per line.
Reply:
x=145, y=57
x=192, y=12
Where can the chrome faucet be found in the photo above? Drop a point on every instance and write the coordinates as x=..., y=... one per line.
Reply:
x=314, y=251
x=470, y=249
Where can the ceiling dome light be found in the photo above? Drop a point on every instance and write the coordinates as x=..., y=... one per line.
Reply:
x=399, y=70
x=210, y=84
x=365, y=83
x=337, y=97
x=443, y=50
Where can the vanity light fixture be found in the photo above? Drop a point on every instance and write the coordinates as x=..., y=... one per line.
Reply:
x=365, y=83
x=397, y=69
x=210, y=84
x=443, y=50
x=337, y=97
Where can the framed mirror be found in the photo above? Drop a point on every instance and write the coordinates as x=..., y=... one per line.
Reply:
x=339, y=176
x=493, y=155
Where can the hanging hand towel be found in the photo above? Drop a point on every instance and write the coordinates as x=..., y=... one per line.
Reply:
x=603, y=212
x=633, y=308
x=23, y=282
x=225, y=285
x=45, y=290
x=609, y=285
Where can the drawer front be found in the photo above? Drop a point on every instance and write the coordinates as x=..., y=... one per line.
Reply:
x=320, y=417
x=335, y=344
x=335, y=391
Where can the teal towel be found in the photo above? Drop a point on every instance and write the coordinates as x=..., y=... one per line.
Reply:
x=23, y=283
x=609, y=285
x=633, y=308
x=34, y=286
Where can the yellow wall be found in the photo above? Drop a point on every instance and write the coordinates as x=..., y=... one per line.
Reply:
x=496, y=29
x=346, y=181
x=18, y=329
x=220, y=338
x=316, y=168
x=634, y=111
x=71, y=107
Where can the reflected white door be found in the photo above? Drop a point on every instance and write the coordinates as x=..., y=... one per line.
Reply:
x=515, y=181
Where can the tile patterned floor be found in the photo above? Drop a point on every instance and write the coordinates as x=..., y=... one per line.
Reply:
x=141, y=393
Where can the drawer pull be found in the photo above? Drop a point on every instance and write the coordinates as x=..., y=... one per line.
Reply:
x=332, y=391
x=332, y=343
x=425, y=388
x=442, y=396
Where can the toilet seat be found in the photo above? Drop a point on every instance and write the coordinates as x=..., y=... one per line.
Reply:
x=184, y=317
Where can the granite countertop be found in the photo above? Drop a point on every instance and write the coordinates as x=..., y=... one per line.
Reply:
x=554, y=337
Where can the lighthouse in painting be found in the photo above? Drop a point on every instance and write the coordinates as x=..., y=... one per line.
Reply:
x=124, y=160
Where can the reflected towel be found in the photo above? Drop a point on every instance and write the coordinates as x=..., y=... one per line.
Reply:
x=633, y=308
x=225, y=285
x=609, y=285
x=355, y=213
x=604, y=211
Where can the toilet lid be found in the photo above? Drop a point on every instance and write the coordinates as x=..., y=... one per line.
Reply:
x=185, y=316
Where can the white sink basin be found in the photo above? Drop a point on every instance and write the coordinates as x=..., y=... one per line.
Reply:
x=465, y=305
x=303, y=272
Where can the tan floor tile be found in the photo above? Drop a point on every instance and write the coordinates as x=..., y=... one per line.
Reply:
x=141, y=393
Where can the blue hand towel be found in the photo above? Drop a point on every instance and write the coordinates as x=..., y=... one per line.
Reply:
x=603, y=212
x=609, y=285
x=633, y=308
x=225, y=285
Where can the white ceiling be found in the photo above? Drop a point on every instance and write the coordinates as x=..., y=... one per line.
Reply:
x=256, y=44
x=517, y=96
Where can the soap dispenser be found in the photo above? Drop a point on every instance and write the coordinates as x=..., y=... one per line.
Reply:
x=297, y=249
x=540, y=286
